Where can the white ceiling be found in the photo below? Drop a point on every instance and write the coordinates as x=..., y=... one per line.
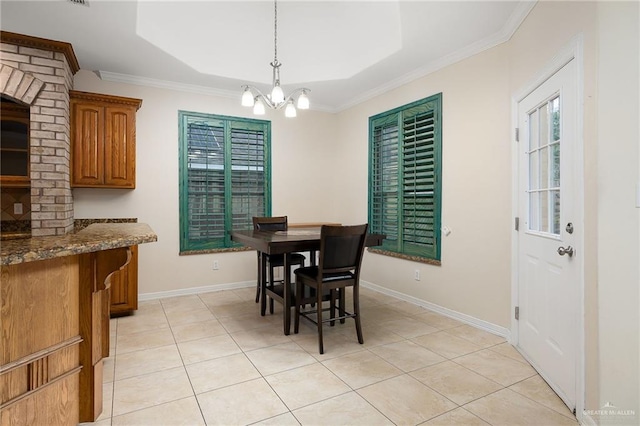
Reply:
x=344, y=51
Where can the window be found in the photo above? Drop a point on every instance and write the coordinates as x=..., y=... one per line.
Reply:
x=405, y=150
x=225, y=178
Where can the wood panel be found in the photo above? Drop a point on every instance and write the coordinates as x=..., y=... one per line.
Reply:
x=39, y=306
x=124, y=287
x=87, y=124
x=120, y=147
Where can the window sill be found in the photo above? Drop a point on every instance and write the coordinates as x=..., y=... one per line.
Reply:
x=405, y=256
x=216, y=250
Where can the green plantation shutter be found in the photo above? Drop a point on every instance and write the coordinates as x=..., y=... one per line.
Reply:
x=248, y=174
x=224, y=178
x=405, y=169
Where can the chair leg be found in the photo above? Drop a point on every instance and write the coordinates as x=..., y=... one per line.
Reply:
x=271, y=284
x=259, y=283
x=332, y=306
x=356, y=311
x=319, y=319
x=299, y=297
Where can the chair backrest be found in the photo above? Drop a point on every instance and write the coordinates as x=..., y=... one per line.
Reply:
x=276, y=223
x=341, y=249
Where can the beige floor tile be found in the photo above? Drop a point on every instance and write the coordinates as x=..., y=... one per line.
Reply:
x=537, y=389
x=405, y=400
x=220, y=372
x=182, y=303
x=107, y=401
x=380, y=313
x=306, y=385
x=496, y=367
x=378, y=336
x=336, y=343
x=197, y=330
x=243, y=403
x=362, y=369
x=246, y=294
x=183, y=412
x=406, y=355
x=457, y=417
x=250, y=340
x=408, y=327
x=208, y=348
x=278, y=358
x=234, y=309
x=147, y=361
x=109, y=368
x=142, y=322
x=438, y=321
x=126, y=343
x=181, y=317
x=446, y=345
x=407, y=308
x=251, y=322
x=286, y=419
x=349, y=409
x=508, y=350
x=105, y=422
x=457, y=383
x=474, y=335
x=150, y=390
x=219, y=297
x=507, y=407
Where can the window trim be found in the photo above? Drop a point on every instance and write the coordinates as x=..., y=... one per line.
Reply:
x=401, y=252
x=187, y=248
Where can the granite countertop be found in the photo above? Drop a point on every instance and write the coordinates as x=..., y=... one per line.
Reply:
x=95, y=237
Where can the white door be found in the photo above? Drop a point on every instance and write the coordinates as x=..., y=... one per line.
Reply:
x=548, y=272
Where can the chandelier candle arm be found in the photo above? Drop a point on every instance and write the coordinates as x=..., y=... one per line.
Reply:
x=276, y=99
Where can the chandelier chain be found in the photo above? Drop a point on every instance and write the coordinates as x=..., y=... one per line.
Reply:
x=275, y=32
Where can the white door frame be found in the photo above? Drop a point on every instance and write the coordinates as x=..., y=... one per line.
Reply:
x=572, y=51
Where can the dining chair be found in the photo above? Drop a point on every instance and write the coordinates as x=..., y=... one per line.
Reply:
x=272, y=224
x=341, y=251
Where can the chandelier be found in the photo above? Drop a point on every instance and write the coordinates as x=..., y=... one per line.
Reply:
x=252, y=97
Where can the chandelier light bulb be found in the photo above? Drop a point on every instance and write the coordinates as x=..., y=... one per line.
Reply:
x=258, y=107
x=303, y=100
x=247, y=98
x=290, y=110
x=277, y=95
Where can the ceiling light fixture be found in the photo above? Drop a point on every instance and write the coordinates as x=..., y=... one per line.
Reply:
x=252, y=97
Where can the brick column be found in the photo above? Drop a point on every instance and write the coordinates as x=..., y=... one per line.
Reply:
x=30, y=63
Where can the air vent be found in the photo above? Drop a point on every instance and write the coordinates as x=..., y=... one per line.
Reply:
x=80, y=2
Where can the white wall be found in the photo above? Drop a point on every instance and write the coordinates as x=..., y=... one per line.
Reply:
x=618, y=214
x=301, y=149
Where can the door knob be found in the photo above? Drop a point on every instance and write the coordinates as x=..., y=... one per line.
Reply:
x=568, y=250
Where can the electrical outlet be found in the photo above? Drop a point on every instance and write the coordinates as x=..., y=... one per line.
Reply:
x=416, y=275
x=216, y=265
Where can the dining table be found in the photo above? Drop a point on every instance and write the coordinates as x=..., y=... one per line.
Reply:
x=293, y=240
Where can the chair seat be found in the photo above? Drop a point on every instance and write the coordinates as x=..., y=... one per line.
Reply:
x=311, y=272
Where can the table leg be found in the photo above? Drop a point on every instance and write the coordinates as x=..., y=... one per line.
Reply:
x=287, y=293
x=262, y=276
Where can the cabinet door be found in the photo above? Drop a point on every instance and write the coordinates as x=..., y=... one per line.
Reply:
x=124, y=287
x=120, y=147
x=88, y=144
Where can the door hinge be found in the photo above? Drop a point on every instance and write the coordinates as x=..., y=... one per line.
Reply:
x=517, y=312
x=517, y=134
x=517, y=223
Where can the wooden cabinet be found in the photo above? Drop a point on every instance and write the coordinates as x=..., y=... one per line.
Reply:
x=103, y=140
x=124, y=287
x=14, y=145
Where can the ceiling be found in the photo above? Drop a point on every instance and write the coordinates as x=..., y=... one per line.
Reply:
x=344, y=51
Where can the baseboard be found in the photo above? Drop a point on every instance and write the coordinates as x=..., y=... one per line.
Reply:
x=467, y=319
x=587, y=420
x=195, y=290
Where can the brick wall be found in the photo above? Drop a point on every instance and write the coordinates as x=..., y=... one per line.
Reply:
x=39, y=73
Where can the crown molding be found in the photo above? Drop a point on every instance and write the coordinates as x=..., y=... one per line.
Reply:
x=43, y=44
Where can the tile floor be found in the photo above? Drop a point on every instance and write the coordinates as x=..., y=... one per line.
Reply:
x=211, y=359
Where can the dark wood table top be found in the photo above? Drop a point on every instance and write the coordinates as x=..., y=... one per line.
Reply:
x=292, y=240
